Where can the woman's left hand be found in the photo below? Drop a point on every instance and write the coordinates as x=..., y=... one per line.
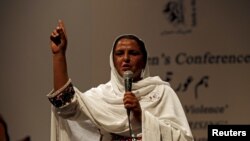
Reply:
x=131, y=103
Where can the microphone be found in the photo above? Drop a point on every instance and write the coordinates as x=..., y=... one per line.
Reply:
x=128, y=78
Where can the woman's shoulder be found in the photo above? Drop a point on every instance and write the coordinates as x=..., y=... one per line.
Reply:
x=156, y=80
x=100, y=88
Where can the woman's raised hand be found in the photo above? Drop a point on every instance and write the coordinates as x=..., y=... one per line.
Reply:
x=59, y=39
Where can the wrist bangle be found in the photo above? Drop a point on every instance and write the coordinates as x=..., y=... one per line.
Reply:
x=63, y=97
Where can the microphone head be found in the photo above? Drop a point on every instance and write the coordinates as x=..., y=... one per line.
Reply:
x=128, y=74
x=128, y=78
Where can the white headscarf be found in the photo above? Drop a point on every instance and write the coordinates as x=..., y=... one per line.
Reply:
x=156, y=98
x=109, y=112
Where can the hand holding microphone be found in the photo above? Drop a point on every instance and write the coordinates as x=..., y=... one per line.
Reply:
x=131, y=103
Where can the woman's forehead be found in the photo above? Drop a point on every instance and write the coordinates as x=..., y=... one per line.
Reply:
x=127, y=43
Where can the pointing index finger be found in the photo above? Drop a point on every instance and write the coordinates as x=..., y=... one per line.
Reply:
x=61, y=30
x=61, y=24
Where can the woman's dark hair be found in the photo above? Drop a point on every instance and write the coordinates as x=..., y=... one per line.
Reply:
x=139, y=42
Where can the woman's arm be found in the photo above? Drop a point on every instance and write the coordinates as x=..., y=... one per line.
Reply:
x=58, y=46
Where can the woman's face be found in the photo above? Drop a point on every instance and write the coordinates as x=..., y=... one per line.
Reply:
x=127, y=55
